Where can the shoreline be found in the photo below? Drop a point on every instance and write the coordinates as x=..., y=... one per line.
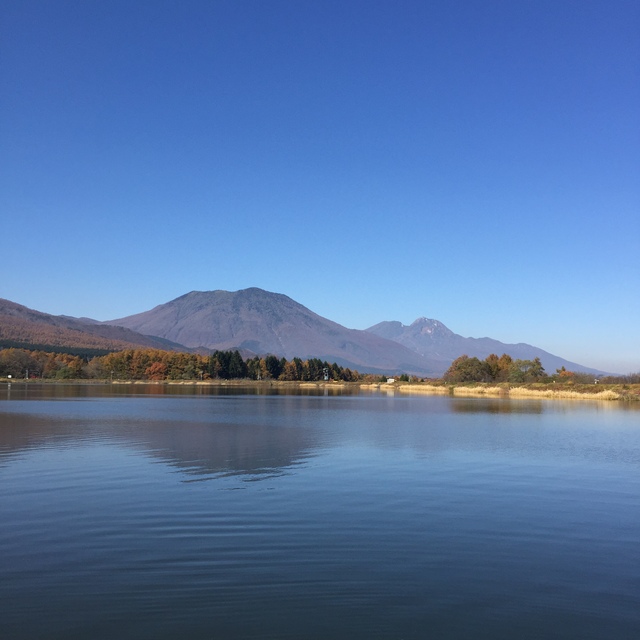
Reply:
x=601, y=392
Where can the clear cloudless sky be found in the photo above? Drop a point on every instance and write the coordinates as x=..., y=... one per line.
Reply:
x=476, y=162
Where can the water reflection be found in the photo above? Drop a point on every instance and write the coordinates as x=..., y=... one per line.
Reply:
x=250, y=450
x=42, y=391
x=204, y=432
x=194, y=442
x=497, y=405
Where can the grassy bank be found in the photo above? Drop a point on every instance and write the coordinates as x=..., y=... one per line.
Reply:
x=608, y=392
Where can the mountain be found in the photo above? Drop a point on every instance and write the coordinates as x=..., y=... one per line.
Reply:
x=24, y=327
x=258, y=322
x=261, y=322
x=431, y=339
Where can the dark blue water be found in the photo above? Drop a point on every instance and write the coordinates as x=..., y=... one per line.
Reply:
x=187, y=513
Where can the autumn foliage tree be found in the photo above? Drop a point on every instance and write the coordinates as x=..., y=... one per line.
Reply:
x=494, y=369
x=21, y=363
x=526, y=371
x=466, y=369
x=151, y=364
x=499, y=367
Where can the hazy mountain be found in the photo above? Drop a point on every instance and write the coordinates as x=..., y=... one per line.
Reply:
x=432, y=339
x=262, y=322
x=21, y=326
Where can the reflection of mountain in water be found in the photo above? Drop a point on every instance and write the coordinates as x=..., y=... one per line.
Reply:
x=255, y=437
x=254, y=450
x=222, y=448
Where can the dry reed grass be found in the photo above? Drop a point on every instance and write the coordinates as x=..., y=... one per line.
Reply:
x=478, y=391
x=523, y=392
x=427, y=389
x=505, y=391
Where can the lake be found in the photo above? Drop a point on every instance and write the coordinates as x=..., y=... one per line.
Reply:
x=198, y=512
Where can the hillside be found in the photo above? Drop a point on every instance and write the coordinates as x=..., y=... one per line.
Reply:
x=21, y=326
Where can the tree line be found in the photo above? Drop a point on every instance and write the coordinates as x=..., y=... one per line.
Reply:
x=494, y=369
x=21, y=363
x=154, y=364
x=506, y=369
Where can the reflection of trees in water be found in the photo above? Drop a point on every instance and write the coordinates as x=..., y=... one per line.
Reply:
x=42, y=391
x=195, y=448
x=496, y=405
x=20, y=432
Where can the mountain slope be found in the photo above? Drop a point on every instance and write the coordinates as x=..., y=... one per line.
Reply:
x=432, y=339
x=20, y=325
x=263, y=322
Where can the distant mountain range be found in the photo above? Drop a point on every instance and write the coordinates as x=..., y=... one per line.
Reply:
x=259, y=322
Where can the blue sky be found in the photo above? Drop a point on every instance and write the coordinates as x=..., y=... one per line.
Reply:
x=476, y=162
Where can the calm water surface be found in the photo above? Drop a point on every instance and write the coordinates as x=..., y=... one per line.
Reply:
x=155, y=512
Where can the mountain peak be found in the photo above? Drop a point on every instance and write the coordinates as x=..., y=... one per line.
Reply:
x=432, y=339
x=261, y=322
x=429, y=327
x=424, y=320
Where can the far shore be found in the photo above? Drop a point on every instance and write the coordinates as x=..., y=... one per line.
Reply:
x=602, y=392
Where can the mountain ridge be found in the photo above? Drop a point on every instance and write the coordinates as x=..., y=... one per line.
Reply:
x=431, y=338
x=22, y=325
x=259, y=322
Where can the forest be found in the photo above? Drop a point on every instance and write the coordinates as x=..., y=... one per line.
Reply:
x=156, y=365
